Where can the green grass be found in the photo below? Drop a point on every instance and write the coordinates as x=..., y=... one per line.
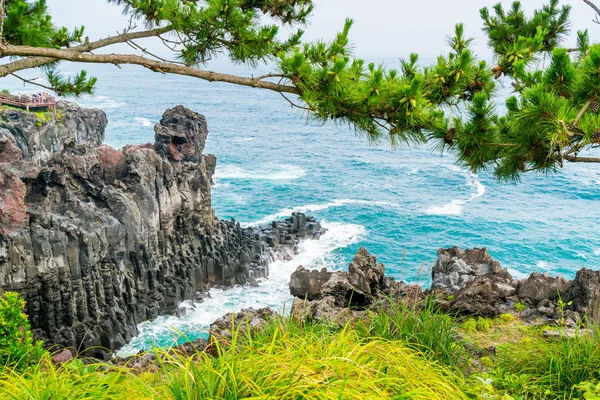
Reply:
x=404, y=352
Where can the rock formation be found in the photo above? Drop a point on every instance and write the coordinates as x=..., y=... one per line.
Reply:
x=98, y=240
x=491, y=291
x=336, y=297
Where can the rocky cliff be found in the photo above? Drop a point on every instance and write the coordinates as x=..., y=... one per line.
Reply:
x=98, y=240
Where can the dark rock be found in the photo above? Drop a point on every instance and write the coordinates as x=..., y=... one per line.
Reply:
x=584, y=293
x=538, y=287
x=246, y=320
x=485, y=296
x=455, y=268
x=339, y=297
x=307, y=284
x=98, y=240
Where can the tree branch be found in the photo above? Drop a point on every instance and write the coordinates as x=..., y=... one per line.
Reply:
x=156, y=66
x=2, y=12
x=582, y=159
x=35, y=61
x=31, y=82
x=594, y=7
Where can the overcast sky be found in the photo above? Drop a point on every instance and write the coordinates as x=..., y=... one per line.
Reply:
x=383, y=28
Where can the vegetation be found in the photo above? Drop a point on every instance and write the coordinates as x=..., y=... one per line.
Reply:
x=17, y=347
x=405, y=352
x=552, y=117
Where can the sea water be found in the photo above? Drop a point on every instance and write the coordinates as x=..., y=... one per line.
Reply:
x=402, y=205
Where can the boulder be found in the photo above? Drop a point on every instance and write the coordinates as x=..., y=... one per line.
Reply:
x=538, y=287
x=243, y=321
x=307, y=284
x=485, y=296
x=365, y=273
x=455, y=268
x=584, y=293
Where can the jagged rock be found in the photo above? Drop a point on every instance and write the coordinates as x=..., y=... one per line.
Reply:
x=307, y=284
x=584, y=293
x=485, y=296
x=455, y=268
x=40, y=139
x=98, y=240
x=339, y=297
x=538, y=287
x=365, y=274
x=247, y=319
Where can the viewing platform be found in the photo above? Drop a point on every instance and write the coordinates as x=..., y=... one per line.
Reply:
x=29, y=102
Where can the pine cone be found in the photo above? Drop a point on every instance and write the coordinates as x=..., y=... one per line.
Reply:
x=594, y=107
x=596, y=137
x=449, y=136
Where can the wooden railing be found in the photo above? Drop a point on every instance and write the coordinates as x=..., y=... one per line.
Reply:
x=28, y=102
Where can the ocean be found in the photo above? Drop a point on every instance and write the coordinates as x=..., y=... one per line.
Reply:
x=402, y=205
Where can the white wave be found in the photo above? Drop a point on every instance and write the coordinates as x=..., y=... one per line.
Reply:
x=456, y=206
x=286, y=212
x=597, y=252
x=267, y=172
x=143, y=121
x=272, y=292
x=245, y=139
x=102, y=102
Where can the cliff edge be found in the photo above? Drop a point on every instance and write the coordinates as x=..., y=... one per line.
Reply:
x=98, y=240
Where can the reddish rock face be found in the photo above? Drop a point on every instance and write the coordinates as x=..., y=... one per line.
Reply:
x=133, y=148
x=110, y=158
x=9, y=152
x=13, y=213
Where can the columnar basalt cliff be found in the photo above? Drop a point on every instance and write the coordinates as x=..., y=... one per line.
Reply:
x=98, y=240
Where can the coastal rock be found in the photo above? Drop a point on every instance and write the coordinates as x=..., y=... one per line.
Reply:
x=246, y=320
x=307, y=284
x=339, y=297
x=538, y=287
x=485, y=296
x=584, y=293
x=455, y=268
x=98, y=240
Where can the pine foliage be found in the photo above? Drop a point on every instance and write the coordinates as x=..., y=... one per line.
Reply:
x=551, y=118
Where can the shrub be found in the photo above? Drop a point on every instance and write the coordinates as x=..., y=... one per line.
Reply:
x=506, y=318
x=17, y=347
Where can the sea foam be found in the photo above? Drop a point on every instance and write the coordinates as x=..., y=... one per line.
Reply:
x=273, y=292
x=143, y=121
x=456, y=206
x=276, y=172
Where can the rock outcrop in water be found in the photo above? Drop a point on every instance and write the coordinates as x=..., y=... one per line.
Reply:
x=98, y=240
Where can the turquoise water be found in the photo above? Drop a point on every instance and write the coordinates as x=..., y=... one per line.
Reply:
x=401, y=205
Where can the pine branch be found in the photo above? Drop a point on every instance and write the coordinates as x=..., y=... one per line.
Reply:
x=37, y=61
x=582, y=159
x=156, y=66
x=594, y=7
x=32, y=82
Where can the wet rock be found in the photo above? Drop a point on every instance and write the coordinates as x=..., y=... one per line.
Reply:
x=455, y=268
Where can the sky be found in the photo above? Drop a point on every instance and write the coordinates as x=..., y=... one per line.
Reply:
x=383, y=29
